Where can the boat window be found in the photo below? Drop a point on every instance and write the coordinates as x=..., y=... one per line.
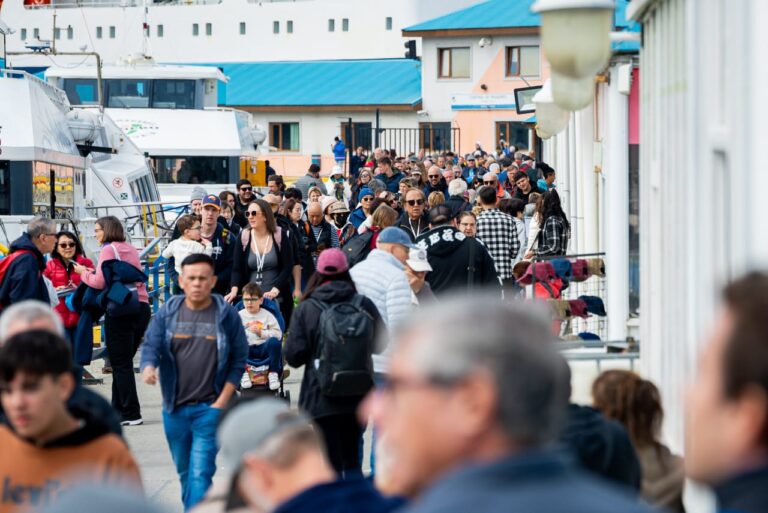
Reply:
x=192, y=170
x=127, y=93
x=63, y=183
x=173, y=94
x=5, y=187
x=81, y=91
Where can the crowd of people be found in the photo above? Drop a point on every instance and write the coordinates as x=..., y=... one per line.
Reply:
x=397, y=290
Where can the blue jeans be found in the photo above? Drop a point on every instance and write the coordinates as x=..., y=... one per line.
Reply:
x=191, y=434
x=270, y=350
x=378, y=380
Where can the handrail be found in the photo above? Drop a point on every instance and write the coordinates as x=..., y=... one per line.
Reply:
x=149, y=247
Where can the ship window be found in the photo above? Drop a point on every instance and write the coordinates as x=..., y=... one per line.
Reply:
x=275, y=27
x=242, y=28
x=127, y=93
x=5, y=187
x=112, y=32
x=23, y=34
x=345, y=24
x=195, y=29
x=208, y=29
x=99, y=33
x=81, y=91
x=57, y=33
x=36, y=33
x=160, y=31
x=331, y=25
x=289, y=26
x=173, y=94
x=192, y=170
x=284, y=136
x=70, y=33
x=388, y=23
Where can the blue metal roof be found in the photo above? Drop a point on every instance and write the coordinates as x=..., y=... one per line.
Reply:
x=490, y=14
x=318, y=83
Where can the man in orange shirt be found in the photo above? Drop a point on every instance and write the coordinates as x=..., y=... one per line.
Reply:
x=45, y=448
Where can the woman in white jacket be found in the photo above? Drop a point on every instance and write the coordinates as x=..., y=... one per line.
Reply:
x=533, y=223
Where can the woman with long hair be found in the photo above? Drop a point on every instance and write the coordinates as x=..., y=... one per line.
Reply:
x=60, y=269
x=264, y=256
x=123, y=333
x=363, y=179
x=636, y=403
x=555, y=228
x=335, y=415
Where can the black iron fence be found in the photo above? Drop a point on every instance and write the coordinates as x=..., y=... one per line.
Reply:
x=404, y=141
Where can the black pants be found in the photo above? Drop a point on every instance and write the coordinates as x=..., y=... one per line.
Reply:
x=342, y=434
x=123, y=335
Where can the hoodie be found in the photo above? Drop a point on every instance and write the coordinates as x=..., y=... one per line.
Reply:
x=32, y=475
x=449, y=252
x=24, y=278
x=340, y=496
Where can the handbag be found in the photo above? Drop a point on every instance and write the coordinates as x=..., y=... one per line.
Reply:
x=122, y=299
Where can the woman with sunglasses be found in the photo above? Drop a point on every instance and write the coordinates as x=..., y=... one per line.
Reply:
x=61, y=271
x=361, y=213
x=264, y=256
x=363, y=179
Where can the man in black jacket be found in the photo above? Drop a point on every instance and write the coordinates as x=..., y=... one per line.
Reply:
x=413, y=221
x=459, y=263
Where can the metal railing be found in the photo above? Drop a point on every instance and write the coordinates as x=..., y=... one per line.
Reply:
x=413, y=140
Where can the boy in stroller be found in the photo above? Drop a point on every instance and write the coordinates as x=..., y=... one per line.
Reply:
x=264, y=339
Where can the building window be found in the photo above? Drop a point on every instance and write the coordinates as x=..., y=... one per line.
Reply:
x=289, y=26
x=57, y=33
x=514, y=133
x=36, y=33
x=388, y=23
x=361, y=135
x=23, y=34
x=208, y=29
x=331, y=25
x=345, y=25
x=275, y=27
x=523, y=61
x=435, y=136
x=195, y=29
x=242, y=28
x=453, y=62
x=160, y=31
x=284, y=136
x=112, y=32
x=70, y=33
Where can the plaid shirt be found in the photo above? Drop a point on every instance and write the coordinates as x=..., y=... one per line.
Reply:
x=553, y=238
x=498, y=232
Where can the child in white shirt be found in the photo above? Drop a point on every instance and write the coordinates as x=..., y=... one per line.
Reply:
x=264, y=336
x=189, y=243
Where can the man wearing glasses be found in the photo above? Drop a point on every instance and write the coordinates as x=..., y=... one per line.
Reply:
x=435, y=181
x=244, y=198
x=412, y=220
x=21, y=272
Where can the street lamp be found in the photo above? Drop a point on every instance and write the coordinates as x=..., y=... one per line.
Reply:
x=575, y=37
x=550, y=118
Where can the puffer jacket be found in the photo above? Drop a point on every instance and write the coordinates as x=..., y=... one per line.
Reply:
x=61, y=276
x=381, y=278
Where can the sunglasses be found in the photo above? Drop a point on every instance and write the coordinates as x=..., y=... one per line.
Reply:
x=490, y=182
x=415, y=202
x=245, y=189
x=252, y=213
x=434, y=176
x=65, y=245
x=367, y=198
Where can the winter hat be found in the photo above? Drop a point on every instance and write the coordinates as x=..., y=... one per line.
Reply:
x=198, y=193
x=332, y=261
x=578, y=308
x=562, y=268
x=365, y=191
x=596, y=267
x=326, y=201
x=580, y=270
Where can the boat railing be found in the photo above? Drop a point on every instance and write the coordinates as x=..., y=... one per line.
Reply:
x=57, y=96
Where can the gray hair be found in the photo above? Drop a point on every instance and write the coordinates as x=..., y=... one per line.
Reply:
x=26, y=313
x=509, y=341
x=457, y=187
x=376, y=186
x=40, y=225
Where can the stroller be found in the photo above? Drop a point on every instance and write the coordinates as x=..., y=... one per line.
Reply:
x=258, y=370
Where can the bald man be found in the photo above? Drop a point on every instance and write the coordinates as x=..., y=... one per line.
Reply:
x=322, y=235
x=34, y=315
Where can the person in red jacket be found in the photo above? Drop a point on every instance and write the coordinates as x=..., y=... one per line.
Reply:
x=60, y=270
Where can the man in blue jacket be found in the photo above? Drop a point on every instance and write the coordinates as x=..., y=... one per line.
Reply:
x=198, y=344
x=339, y=151
x=23, y=278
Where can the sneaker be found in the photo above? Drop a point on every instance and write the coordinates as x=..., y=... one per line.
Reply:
x=274, y=381
x=245, y=381
x=134, y=422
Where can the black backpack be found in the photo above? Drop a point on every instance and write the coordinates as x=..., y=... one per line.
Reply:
x=343, y=356
x=357, y=248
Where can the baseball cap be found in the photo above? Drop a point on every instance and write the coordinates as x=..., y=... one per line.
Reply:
x=332, y=261
x=417, y=260
x=264, y=419
x=395, y=235
x=212, y=200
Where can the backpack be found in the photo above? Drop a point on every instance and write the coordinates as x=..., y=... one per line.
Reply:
x=343, y=355
x=5, y=264
x=357, y=248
